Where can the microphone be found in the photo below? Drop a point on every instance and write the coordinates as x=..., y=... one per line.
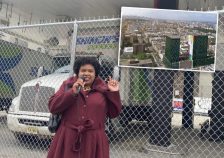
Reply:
x=80, y=87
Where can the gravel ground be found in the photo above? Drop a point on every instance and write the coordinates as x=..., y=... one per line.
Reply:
x=131, y=142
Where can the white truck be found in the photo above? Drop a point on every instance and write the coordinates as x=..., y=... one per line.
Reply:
x=29, y=115
x=18, y=64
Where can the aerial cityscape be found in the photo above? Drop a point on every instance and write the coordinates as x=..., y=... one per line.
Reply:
x=183, y=42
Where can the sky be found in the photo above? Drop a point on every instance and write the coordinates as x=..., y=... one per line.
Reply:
x=199, y=16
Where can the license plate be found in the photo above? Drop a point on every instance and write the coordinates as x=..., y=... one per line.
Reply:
x=32, y=130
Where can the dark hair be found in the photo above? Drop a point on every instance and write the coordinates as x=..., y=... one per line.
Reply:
x=80, y=61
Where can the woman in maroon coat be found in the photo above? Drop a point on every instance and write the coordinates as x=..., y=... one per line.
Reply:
x=81, y=133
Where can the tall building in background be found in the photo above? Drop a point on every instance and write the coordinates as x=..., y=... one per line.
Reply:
x=190, y=40
x=172, y=51
x=200, y=47
x=200, y=51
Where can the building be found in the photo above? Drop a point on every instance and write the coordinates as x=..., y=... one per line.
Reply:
x=197, y=52
x=200, y=51
x=172, y=51
x=138, y=48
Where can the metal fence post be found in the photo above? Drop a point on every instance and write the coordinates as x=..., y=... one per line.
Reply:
x=73, y=46
x=217, y=110
x=188, y=108
x=162, y=94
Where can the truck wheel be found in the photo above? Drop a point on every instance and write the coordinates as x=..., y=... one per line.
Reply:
x=124, y=121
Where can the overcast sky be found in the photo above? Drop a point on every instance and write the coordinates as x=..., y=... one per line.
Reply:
x=171, y=14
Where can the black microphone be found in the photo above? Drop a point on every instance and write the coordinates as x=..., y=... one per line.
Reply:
x=80, y=87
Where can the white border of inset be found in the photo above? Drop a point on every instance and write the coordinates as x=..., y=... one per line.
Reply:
x=202, y=12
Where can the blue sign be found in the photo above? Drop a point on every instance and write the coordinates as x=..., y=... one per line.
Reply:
x=97, y=39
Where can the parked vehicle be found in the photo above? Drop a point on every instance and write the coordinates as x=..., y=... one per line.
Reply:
x=29, y=115
x=13, y=59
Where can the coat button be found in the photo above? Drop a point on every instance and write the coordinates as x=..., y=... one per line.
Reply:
x=84, y=106
x=83, y=117
x=87, y=96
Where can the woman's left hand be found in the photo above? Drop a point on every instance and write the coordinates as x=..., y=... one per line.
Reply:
x=113, y=85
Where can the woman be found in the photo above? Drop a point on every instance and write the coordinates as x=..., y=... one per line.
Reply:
x=84, y=110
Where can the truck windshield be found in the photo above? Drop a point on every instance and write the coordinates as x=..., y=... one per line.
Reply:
x=60, y=61
x=64, y=69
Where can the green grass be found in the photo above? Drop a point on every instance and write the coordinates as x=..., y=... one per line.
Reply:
x=141, y=56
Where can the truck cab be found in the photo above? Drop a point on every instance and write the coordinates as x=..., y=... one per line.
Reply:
x=28, y=114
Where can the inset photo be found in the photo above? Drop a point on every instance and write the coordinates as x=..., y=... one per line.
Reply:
x=168, y=39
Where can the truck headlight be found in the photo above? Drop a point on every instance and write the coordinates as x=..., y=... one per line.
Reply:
x=12, y=108
x=15, y=102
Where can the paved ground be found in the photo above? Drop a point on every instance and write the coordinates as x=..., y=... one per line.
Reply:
x=130, y=143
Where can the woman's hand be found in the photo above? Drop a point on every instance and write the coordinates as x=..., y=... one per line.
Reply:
x=78, y=83
x=113, y=85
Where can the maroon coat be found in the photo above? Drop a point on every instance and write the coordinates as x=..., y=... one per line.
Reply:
x=82, y=133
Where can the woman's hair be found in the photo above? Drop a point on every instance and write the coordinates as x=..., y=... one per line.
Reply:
x=80, y=61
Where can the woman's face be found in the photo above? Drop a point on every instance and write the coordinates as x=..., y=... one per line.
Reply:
x=88, y=73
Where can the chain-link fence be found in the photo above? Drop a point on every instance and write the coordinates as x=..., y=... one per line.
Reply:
x=165, y=113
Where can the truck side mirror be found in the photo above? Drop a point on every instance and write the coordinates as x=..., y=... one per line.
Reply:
x=40, y=71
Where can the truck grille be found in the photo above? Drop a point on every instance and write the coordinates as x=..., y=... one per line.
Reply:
x=35, y=101
x=33, y=122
